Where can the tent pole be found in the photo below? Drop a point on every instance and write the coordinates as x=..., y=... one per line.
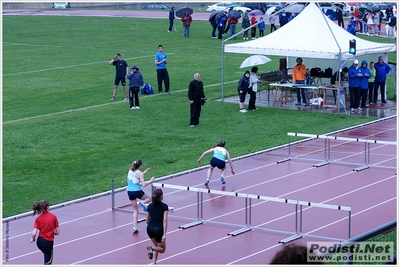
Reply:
x=231, y=37
x=222, y=71
x=339, y=54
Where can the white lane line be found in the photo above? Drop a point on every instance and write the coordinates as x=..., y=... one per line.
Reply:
x=96, y=106
x=63, y=223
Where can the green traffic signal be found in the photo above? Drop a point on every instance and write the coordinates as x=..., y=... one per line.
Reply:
x=352, y=46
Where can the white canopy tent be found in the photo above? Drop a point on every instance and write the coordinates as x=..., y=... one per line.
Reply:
x=313, y=35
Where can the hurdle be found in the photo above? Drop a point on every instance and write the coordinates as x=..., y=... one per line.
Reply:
x=247, y=226
x=327, y=150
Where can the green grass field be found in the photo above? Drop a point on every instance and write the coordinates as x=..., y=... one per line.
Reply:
x=64, y=139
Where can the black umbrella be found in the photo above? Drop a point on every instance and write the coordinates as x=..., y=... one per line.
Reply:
x=234, y=14
x=212, y=15
x=375, y=8
x=180, y=13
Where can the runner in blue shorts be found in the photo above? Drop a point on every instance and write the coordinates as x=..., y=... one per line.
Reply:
x=220, y=154
x=135, y=180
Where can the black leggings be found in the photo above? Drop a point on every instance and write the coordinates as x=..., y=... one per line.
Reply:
x=134, y=91
x=47, y=248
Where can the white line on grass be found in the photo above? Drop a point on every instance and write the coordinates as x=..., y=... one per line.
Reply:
x=68, y=67
x=96, y=106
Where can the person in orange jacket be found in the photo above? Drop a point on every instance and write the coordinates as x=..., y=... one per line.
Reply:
x=298, y=77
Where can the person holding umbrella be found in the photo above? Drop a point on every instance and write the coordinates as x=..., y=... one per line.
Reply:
x=233, y=17
x=171, y=18
x=213, y=22
x=186, y=18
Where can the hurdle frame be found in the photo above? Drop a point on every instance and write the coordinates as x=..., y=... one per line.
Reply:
x=248, y=212
x=327, y=150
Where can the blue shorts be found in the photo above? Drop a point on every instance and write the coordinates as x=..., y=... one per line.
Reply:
x=135, y=194
x=215, y=162
x=120, y=79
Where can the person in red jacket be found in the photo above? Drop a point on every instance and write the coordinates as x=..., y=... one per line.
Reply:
x=253, y=29
x=233, y=26
x=186, y=23
x=47, y=225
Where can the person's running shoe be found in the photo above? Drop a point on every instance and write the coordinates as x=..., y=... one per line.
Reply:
x=127, y=98
x=143, y=206
x=206, y=181
x=150, y=253
x=135, y=230
x=113, y=98
x=222, y=179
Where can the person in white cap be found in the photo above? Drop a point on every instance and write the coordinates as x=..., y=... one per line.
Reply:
x=354, y=75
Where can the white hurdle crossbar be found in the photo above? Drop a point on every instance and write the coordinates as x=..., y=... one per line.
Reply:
x=248, y=208
x=327, y=148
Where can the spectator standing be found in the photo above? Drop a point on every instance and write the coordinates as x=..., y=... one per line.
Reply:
x=261, y=27
x=392, y=26
x=358, y=16
x=157, y=224
x=363, y=85
x=298, y=77
x=135, y=182
x=340, y=16
x=272, y=20
x=371, y=82
x=253, y=88
x=227, y=28
x=221, y=23
x=233, y=26
x=283, y=18
x=47, y=226
x=135, y=81
x=253, y=29
x=162, y=73
x=214, y=25
x=245, y=24
x=171, y=18
x=187, y=19
x=381, y=71
x=370, y=23
x=351, y=27
x=220, y=154
x=196, y=96
x=243, y=85
x=376, y=22
x=364, y=19
x=354, y=82
x=121, y=68
x=380, y=16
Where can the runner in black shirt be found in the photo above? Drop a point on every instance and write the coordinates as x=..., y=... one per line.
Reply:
x=157, y=220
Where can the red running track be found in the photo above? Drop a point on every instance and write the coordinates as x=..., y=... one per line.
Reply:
x=92, y=233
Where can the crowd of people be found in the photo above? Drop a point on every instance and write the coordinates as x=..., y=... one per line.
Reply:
x=370, y=22
x=365, y=82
